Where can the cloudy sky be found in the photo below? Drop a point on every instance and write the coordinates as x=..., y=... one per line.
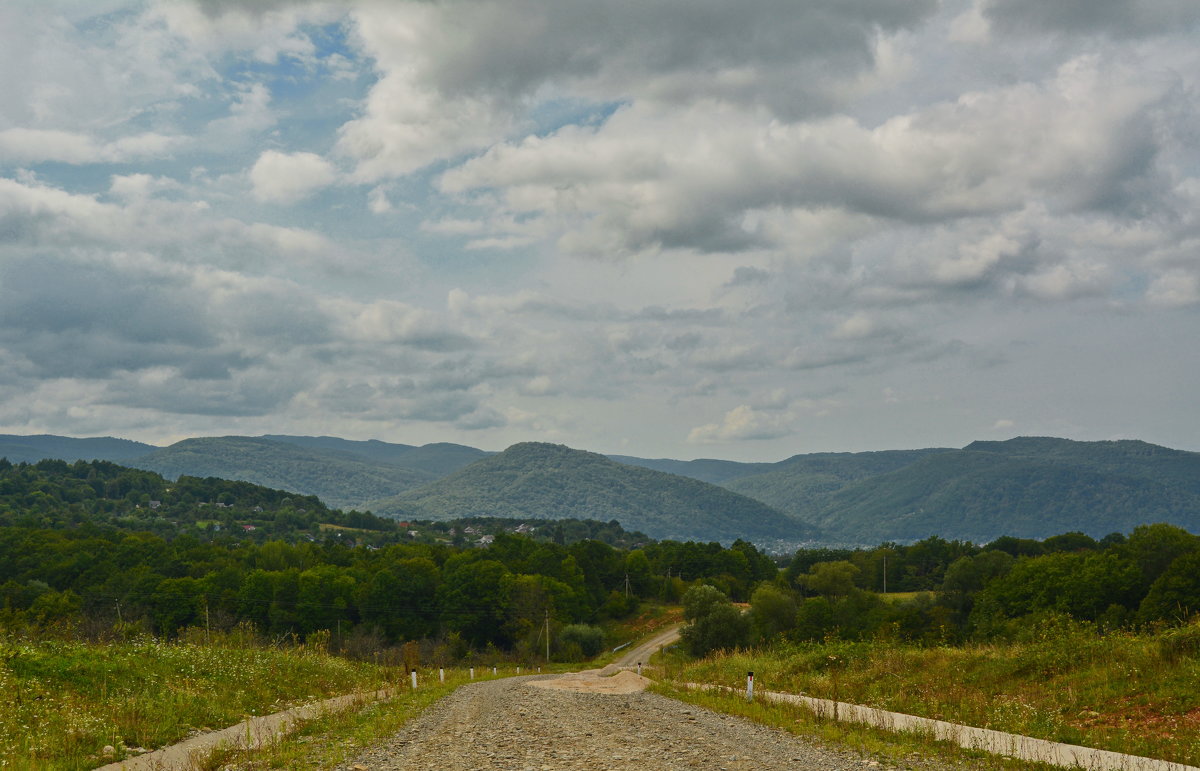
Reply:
x=684, y=228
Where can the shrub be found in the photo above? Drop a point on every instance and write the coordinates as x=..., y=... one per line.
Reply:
x=588, y=639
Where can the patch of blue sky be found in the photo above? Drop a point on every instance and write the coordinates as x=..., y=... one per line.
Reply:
x=551, y=115
x=79, y=179
x=99, y=22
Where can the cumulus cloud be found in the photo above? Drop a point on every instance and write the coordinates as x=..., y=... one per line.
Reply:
x=575, y=220
x=741, y=423
x=612, y=190
x=289, y=177
x=26, y=145
x=454, y=85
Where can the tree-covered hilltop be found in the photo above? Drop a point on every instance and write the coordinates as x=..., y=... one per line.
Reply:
x=55, y=494
x=1028, y=487
x=552, y=482
x=437, y=459
x=796, y=485
x=711, y=470
x=340, y=479
x=32, y=448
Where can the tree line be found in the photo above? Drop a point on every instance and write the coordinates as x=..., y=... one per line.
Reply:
x=940, y=591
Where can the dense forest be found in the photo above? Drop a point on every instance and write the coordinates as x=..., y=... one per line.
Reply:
x=96, y=543
x=940, y=591
x=1034, y=487
x=90, y=545
x=553, y=481
x=1031, y=487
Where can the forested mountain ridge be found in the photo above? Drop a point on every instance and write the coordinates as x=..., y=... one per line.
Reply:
x=30, y=449
x=1029, y=487
x=795, y=485
x=710, y=470
x=553, y=482
x=438, y=458
x=341, y=479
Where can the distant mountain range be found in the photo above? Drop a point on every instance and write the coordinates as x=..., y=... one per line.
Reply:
x=535, y=479
x=30, y=449
x=1029, y=487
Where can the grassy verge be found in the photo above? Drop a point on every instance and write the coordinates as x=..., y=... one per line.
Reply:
x=336, y=737
x=1137, y=694
x=894, y=749
x=62, y=702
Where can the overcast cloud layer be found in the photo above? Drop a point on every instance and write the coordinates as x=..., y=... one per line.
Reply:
x=660, y=227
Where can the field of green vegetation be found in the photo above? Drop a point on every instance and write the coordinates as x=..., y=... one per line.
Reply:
x=64, y=700
x=1068, y=638
x=1064, y=681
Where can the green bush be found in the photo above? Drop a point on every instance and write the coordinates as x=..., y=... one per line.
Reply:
x=587, y=639
x=715, y=623
x=1177, y=644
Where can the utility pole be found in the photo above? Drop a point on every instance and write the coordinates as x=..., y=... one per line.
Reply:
x=207, y=627
x=547, y=635
x=627, y=585
x=885, y=572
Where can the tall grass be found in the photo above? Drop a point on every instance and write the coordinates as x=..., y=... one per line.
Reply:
x=1138, y=694
x=63, y=701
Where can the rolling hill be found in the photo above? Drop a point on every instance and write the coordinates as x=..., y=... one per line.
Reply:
x=439, y=458
x=1030, y=487
x=796, y=485
x=710, y=470
x=554, y=482
x=31, y=449
x=340, y=479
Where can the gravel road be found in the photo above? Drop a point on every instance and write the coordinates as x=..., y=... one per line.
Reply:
x=507, y=724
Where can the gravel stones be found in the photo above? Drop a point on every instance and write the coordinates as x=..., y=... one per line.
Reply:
x=505, y=724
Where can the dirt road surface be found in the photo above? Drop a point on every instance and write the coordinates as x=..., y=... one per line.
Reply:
x=643, y=652
x=507, y=724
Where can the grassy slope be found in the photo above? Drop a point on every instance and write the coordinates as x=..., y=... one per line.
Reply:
x=1125, y=693
x=67, y=700
x=555, y=482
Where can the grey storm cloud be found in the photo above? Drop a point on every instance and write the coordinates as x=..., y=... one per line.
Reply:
x=245, y=394
x=1119, y=18
x=516, y=47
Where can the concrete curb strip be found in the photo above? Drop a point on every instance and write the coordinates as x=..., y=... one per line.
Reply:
x=997, y=742
x=248, y=734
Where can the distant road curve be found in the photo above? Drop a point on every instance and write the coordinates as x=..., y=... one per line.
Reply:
x=647, y=649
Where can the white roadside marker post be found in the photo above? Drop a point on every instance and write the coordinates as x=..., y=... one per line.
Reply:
x=493, y=671
x=414, y=679
x=442, y=674
x=749, y=686
x=472, y=673
x=639, y=667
